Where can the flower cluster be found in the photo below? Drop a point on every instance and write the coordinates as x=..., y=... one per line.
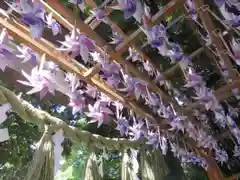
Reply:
x=34, y=16
x=48, y=77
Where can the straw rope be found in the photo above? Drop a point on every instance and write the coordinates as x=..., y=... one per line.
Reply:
x=42, y=165
x=27, y=112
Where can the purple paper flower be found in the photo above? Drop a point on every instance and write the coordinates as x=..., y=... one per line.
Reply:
x=110, y=68
x=26, y=54
x=207, y=98
x=111, y=72
x=234, y=112
x=99, y=113
x=148, y=67
x=100, y=15
x=116, y=38
x=233, y=128
x=191, y=8
x=177, y=123
x=206, y=141
x=236, y=51
x=220, y=118
x=91, y=91
x=122, y=126
x=137, y=130
x=152, y=99
x=51, y=66
x=153, y=139
x=104, y=99
x=129, y=7
x=134, y=85
x=32, y=14
x=77, y=102
x=159, y=79
x=185, y=156
x=166, y=112
x=231, y=11
x=221, y=156
x=236, y=151
x=156, y=36
x=134, y=55
x=40, y=80
x=53, y=24
x=78, y=44
x=174, y=53
x=193, y=80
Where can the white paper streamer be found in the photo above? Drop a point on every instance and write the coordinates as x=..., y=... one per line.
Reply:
x=4, y=135
x=58, y=149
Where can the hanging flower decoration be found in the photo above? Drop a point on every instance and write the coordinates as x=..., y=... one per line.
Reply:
x=53, y=24
x=193, y=80
x=116, y=38
x=26, y=54
x=78, y=44
x=236, y=51
x=122, y=126
x=157, y=38
x=233, y=128
x=40, y=80
x=207, y=98
x=221, y=156
x=231, y=12
x=77, y=101
x=191, y=8
x=100, y=15
x=46, y=78
x=99, y=113
x=186, y=156
x=34, y=16
x=131, y=8
x=138, y=130
x=220, y=118
x=134, y=86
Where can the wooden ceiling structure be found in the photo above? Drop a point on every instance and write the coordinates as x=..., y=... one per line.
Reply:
x=90, y=75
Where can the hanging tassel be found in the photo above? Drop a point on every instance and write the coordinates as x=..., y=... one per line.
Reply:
x=42, y=167
x=129, y=167
x=153, y=166
x=92, y=170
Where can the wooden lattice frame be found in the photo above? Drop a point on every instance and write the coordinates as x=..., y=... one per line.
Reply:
x=66, y=18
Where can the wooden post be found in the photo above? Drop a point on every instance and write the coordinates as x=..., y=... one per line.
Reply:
x=213, y=171
x=207, y=21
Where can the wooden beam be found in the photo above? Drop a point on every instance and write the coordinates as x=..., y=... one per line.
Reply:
x=170, y=72
x=221, y=93
x=213, y=171
x=156, y=19
x=216, y=40
x=92, y=71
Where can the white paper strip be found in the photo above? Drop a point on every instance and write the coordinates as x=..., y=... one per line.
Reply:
x=4, y=135
x=58, y=149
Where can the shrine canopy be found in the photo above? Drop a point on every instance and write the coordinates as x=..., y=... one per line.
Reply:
x=144, y=76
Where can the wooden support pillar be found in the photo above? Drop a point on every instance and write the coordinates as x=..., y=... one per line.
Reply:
x=207, y=21
x=213, y=171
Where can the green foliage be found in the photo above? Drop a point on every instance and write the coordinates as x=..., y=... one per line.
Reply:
x=73, y=166
x=194, y=172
